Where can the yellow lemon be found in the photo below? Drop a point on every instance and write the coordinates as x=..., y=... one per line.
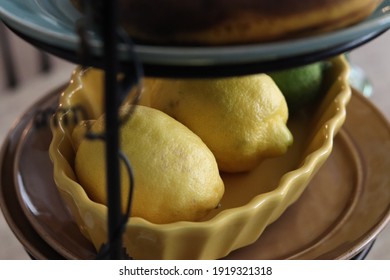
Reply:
x=241, y=119
x=176, y=175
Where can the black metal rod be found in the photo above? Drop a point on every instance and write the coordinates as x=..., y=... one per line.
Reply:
x=111, y=67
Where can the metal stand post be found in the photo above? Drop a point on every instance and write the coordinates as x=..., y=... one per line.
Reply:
x=111, y=67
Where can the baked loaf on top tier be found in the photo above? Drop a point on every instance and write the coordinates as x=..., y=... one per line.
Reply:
x=221, y=22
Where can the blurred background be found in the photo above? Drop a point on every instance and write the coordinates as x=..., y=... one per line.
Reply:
x=36, y=74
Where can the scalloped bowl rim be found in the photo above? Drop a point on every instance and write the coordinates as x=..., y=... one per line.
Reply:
x=309, y=166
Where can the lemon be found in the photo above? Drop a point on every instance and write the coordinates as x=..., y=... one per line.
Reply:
x=300, y=85
x=176, y=175
x=241, y=119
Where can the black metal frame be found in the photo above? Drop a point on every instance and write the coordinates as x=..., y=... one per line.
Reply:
x=111, y=67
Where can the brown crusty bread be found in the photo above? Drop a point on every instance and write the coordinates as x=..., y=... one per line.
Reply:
x=221, y=22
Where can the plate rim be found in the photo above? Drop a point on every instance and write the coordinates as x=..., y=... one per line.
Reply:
x=17, y=153
x=31, y=249
x=380, y=225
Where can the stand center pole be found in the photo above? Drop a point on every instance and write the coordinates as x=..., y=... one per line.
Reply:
x=111, y=67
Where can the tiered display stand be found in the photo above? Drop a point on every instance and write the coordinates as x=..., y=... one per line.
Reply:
x=56, y=27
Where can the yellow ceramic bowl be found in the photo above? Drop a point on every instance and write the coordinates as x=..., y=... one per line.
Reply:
x=251, y=202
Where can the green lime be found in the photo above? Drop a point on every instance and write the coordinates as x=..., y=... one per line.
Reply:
x=300, y=85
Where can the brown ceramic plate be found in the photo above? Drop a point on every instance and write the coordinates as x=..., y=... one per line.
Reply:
x=38, y=197
x=33, y=243
x=343, y=209
x=346, y=204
